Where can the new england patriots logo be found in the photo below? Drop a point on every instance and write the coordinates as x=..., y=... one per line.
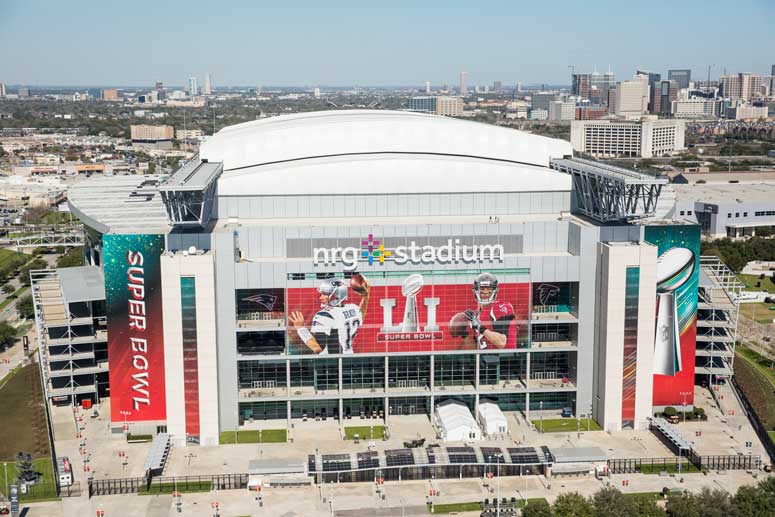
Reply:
x=265, y=300
x=546, y=292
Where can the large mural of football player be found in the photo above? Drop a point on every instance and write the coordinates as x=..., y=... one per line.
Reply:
x=491, y=325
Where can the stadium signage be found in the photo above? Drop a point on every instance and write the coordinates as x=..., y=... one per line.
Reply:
x=373, y=251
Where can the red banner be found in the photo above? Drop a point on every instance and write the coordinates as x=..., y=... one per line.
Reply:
x=415, y=316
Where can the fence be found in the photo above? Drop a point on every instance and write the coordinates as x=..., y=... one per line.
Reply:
x=728, y=462
x=167, y=484
x=634, y=465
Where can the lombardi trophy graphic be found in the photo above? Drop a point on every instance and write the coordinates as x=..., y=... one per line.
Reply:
x=674, y=268
x=410, y=289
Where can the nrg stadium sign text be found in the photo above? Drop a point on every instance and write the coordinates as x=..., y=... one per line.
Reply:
x=373, y=251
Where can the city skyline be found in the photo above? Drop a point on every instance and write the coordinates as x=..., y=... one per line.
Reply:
x=341, y=47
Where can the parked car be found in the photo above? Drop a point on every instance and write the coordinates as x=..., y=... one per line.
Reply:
x=567, y=412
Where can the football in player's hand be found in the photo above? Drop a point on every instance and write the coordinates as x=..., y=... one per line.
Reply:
x=459, y=325
x=358, y=284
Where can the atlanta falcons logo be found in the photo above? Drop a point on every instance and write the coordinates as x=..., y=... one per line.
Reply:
x=546, y=292
x=265, y=300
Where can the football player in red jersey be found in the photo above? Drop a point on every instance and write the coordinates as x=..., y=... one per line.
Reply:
x=494, y=322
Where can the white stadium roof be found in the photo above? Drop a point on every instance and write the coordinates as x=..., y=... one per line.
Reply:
x=351, y=132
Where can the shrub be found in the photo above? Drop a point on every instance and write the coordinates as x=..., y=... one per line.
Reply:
x=670, y=411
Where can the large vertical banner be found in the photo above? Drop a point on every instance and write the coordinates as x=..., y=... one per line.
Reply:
x=675, y=341
x=135, y=336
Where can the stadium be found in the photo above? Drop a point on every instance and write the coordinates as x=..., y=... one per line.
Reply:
x=372, y=263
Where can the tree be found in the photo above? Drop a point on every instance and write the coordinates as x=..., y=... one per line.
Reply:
x=750, y=500
x=573, y=504
x=647, y=507
x=24, y=273
x=682, y=505
x=25, y=470
x=714, y=503
x=7, y=334
x=8, y=289
x=25, y=307
x=610, y=502
x=538, y=508
x=72, y=258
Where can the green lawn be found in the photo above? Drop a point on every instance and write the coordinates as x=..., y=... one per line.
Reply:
x=750, y=281
x=759, y=362
x=565, y=425
x=365, y=432
x=44, y=489
x=13, y=297
x=772, y=436
x=474, y=506
x=686, y=468
x=757, y=311
x=24, y=419
x=262, y=436
x=521, y=502
x=168, y=488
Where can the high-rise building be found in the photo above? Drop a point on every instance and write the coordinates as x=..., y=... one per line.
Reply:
x=632, y=97
x=316, y=93
x=663, y=93
x=160, y=91
x=159, y=137
x=422, y=103
x=427, y=87
x=2, y=89
x=497, y=86
x=602, y=82
x=695, y=108
x=110, y=94
x=562, y=110
x=627, y=139
x=208, y=86
x=681, y=77
x=541, y=100
x=463, y=87
x=24, y=91
x=653, y=77
x=193, y=87
x=740, y=86
x=772, y=72
x=443, y=105
x=582, y=84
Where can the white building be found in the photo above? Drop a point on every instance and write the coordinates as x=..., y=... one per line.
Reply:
x=632, y=97
x=193, y=86
x=455, y=423
x=208, y=86
x=539, y=114
x=627, y=138
x=562, y=110
x=695, y=108
x=746, y=112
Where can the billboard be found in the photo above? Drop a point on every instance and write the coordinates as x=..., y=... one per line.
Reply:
x=409, y=312
x=678, y=273
x=135, y=336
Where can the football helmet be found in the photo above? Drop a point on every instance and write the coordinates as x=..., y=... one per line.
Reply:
x=336, y=290
x=486, y=280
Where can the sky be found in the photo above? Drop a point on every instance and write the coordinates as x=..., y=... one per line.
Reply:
x=401, y=42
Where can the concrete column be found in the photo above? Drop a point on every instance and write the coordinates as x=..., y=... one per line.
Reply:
x=289, y=415
x=477, y=359
x=387, y=402
x=339, y=370
x=340, y=407
x=432, y=374
x=527, y=371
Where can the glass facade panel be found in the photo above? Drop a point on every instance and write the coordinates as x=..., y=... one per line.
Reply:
x=454, y=370
x=261, y=374
x=190, y=360
x=363, y=373
x=630, y=352
x=273, y=410
x=409, y=372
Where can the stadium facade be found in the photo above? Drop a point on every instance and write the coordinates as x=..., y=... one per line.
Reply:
x=352, y=263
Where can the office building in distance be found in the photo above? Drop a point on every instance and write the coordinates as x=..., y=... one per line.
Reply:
x=158, y=137
x=437, y=105
x=682, y=78
x=374, y=262
x=628, y=138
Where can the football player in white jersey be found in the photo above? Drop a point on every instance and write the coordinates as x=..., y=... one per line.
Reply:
x=336, y=324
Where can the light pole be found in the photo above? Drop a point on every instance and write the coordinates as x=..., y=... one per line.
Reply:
x=498, y=486
x=541, y=414
x=684, y=394
x=589, y=415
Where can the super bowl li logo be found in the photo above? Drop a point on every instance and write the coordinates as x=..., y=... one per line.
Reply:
x=409, y=329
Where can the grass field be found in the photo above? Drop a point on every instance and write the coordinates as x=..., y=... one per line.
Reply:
x=364, y=432
x=565, y=425
x=56, y=217
x=759, y=312
x=474, y=506
x=263, y=436
x=759, y=362
x=686, y=468
x=13, y=297
x=44, y=489
x=750, y=281
x=24, y=419
x=168, y=488
x=757, y=386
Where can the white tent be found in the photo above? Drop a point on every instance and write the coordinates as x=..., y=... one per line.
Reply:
x=455, y=422
x=491, y=419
